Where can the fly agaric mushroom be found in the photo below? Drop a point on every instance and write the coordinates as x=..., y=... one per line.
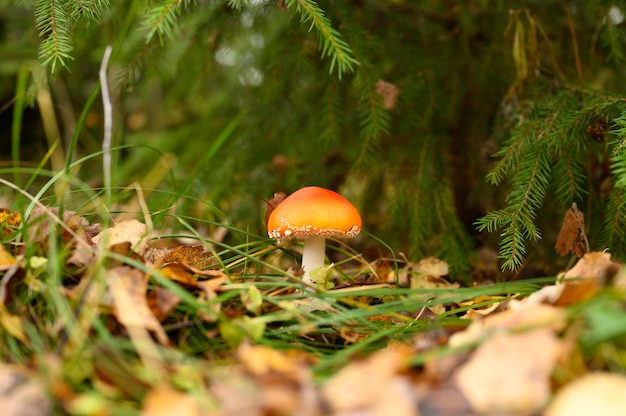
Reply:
x=312, y=214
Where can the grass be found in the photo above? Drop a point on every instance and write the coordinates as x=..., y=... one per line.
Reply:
x=65, y=321
x=60, y=319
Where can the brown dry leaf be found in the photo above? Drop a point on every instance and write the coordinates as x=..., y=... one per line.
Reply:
x=196, y=256
x=572, y=237
x=389, y=92
x=373, y=386
x=128, y=287
x=186, y=276
x=165, y=401
x=583, y=280
x=592, y=394
x=284, y=380
x=510, y=373
x=132, y=231
x=272, y=204
x=161, y=302
x=21, y=394
x=184, y=264
x=76, y=233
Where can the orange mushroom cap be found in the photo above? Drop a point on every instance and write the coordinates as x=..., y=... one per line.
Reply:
x=314, y=211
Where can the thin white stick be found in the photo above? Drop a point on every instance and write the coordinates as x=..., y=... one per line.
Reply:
x=108, y=124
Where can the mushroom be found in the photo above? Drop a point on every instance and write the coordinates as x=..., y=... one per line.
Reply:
x=312, y=214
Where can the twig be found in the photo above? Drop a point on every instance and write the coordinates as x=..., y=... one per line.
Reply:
x=108, y=124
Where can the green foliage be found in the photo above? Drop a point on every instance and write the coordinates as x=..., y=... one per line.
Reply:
x=502, y=90
x=55, y=21
x=161, y=20
x=333, y=45
x=545, y=154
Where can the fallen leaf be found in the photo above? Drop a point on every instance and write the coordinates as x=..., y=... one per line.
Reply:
x=161, y=302
x=165, y=401
x=6, y=259
x=373, y=386
x=592, y=394
x=521, y=317
x=132, y=231
x=76, y=232
x=128, y=287
x=195, y=256
x=272, y=204
x=583, y=280
x=284, y=380
x=13, y=325
x=9, y=221
x=21, y=393
x=510, y=373
x=572, y=237
x=596, y=265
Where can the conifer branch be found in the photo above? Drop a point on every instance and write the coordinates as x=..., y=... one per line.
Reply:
x=53, y=24
x=332, y=43
x=89, y=10
x=375, y=119
x=527, y=195
x=546, y=149
x=160, y=20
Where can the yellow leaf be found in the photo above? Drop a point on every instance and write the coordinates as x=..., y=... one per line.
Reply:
x=13, y=325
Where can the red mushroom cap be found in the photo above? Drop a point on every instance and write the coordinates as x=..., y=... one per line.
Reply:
x=314, y=211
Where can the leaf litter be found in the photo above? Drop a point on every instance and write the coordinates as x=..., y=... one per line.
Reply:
x=496, y=353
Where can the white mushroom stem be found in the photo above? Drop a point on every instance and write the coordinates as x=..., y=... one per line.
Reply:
x=312, y=256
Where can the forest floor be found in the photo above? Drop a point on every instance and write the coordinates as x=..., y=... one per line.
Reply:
x=116, y=320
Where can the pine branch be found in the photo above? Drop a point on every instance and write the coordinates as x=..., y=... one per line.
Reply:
x=332, y=43
x=161, y=20
x=53, y=24
x=570, y=181
x=527, y=195
x=546, y=149
x=375, y=120
x=90, y=10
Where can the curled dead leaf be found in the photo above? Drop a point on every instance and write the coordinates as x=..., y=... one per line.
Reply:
x=572, y=237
